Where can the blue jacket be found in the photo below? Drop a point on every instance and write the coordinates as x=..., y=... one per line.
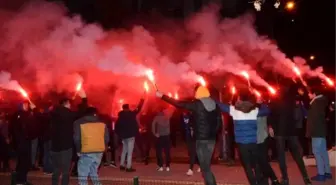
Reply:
x=244, y=116
x=186, y=126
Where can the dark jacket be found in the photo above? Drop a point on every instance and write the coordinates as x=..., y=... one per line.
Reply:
x=206, y=114
x=22, y=126
x=62, y=120
x=282, y=116
x=316, y=118
x=93, y=138
x=127, y=124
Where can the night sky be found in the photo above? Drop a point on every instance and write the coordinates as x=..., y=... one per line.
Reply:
x=307, y=30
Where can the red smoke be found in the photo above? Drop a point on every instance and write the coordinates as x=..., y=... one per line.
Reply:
x=40, y=43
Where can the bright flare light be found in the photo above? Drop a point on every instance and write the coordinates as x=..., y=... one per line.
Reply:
x=297, y=71
x=121, y=101
x=257, y=93
x=233, y=90
x=170, y=95
x=146, y=86
x=176, y=96
x=272, y=90
x=202, y=81
x=23, y=93
x=245, y=74
x=330, y=82
x=79, y=86
x=150, y=75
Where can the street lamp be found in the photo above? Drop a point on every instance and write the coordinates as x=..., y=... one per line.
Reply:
x=312, y=57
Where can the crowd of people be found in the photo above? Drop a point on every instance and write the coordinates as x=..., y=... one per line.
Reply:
x=79, y=142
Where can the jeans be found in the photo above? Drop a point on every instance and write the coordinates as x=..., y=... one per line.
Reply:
x=47, y=163
x=204, y=150
x=61, y=165
x=128, y=146
x=163, y=143
x=320, y=152
x=249, y=159
x=294, y=147
x=4, y=153
x=88, y=166
x=34, y=145
x=192, y=152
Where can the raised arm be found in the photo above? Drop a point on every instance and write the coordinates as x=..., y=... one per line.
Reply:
x=189, y=105
x=140, y=105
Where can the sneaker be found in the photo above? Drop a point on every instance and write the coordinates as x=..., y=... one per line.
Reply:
x=159, y=169
x=275, y=182
x=106, y=164
x=113, y=165
x=130, y=170
x=199, y=170
x=167, y=169
x=190, y=172
x=328, y=175
x=122, y=168
x=320, y=178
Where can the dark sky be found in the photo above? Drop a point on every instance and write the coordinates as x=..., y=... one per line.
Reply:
x=311, y=33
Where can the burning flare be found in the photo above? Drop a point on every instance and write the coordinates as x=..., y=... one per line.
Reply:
x=170, y=94
x=233, y=90
x=79, y=86
x=202, y=81
x=257, y=93
x=297, y=71
x=272, y=90
x=176, y=96
x=329, y=81
x=146, y=86
x=24, y=93
x=245, y=74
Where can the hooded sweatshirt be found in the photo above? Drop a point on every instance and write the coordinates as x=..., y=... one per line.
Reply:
x=161, y=125
x=244, y=115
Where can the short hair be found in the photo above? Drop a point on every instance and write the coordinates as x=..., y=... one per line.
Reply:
x=91, y=111
x=125, y=106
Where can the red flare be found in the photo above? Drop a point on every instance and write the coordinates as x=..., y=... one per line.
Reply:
x=121, y=101
x=245, y=74
x=257, y=93
x=233, y=90
x=23, y=93
x=272, y=90
x=150, y=75
x=146, y=86
x=329, y=81
x=202, y=81
x=170, y=95
x=297, y=71
x=79, y=86
x=176, y=96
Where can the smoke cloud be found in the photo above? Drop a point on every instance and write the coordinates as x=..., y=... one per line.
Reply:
x=41, y=44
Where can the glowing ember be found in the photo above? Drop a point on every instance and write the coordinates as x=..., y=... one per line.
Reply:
x=297, y=71
x=176, y=96
x=150, y=75
x=146, y=86
x=245, y=74
x=202, y=81
x=329, y=81
x=233, y=90
x=23, y=93
x=170, y=95
x=272, y=90
x=79, y=86
x=257, y=93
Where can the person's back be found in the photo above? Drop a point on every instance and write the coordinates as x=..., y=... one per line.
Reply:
x=127, y=125
x=62, y=120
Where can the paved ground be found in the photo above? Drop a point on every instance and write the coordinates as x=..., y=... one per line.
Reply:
x=149, y=176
